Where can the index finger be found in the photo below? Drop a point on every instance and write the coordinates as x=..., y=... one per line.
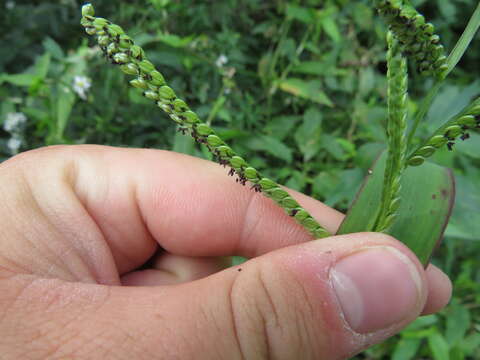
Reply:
x=188, y=206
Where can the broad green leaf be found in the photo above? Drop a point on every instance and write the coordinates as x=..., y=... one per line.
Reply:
x=438, y=346
x=427, y=196
x=175, y=40
x=53, y=48
x=422, y=322
x=465, y=222
x=307, y=136
x=277, y=148
x=458, y=322
x=302, y=14
x=42, y=65
x=406, y=349
x=65, y=100
x=20, y=79
x=471, y=345
x=331, y=29
x=281, y=126
x=308, y=90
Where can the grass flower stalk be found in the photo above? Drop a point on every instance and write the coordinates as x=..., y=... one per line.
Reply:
x=397, y=77
x=121, y=50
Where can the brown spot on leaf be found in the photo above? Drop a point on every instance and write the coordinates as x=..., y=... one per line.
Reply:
x=434, y=196
x=444, y=193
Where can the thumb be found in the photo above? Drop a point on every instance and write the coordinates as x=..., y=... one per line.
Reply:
x=325, y=299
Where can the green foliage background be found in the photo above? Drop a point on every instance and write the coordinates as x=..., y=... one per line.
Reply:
x=300, y=93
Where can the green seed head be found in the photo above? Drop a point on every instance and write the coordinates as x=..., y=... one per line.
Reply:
x=437, y=141
x=152, y=95
x=157, y=78
x=99, y=23
x=139, y=83
x=166, y=93
x=428, y=28
x=203, y=129
x=237, y=162
x=395, y=204
x=137, y=52
x=320, y=233
x=251, y=174
x=115, y=30
x=112, y=49
x=86, y=22
x=467, y=120
x=225, y=151
x=103, y=41
x=416, y=161
x=90, y=30
x=310, y=224
x=289, y=203
x=301, y=215
x=453, y=131
x=129, y=69
x=165, y=107
x=180, y=105
x=146, y=66
x=190, y=117
x=125, y=42
x=278, y=194
x=214, y=141
x=175, y=118
x=475, y=111
x=88, y=10
x=426, y=151
x=121, y=58
x=267, y=184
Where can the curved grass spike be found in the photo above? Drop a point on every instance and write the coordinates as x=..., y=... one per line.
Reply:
x=397, y=78
x=417, y=38
x=121, y=50
x=457, y=127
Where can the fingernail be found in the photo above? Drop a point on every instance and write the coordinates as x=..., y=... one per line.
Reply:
x=376, y=288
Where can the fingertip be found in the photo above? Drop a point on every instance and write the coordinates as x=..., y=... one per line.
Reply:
x=439, y=290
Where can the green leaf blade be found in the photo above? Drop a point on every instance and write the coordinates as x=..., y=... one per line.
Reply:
x=427, y=198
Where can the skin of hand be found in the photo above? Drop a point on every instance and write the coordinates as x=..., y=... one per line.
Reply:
x=80, y=222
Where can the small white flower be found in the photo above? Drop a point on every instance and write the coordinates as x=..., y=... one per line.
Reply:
x=14, y=144
x=10, y=5
x=14, y=121
x=222, y=60
x=81, y=84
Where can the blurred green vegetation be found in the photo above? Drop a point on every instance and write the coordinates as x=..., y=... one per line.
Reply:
x=297, y=88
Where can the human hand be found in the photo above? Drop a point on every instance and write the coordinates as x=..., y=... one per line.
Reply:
x=79, y=221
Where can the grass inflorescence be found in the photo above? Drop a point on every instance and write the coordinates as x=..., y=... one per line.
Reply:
x=397, y=78
x=456, y=128
x=121, y=50
x=417, y=38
